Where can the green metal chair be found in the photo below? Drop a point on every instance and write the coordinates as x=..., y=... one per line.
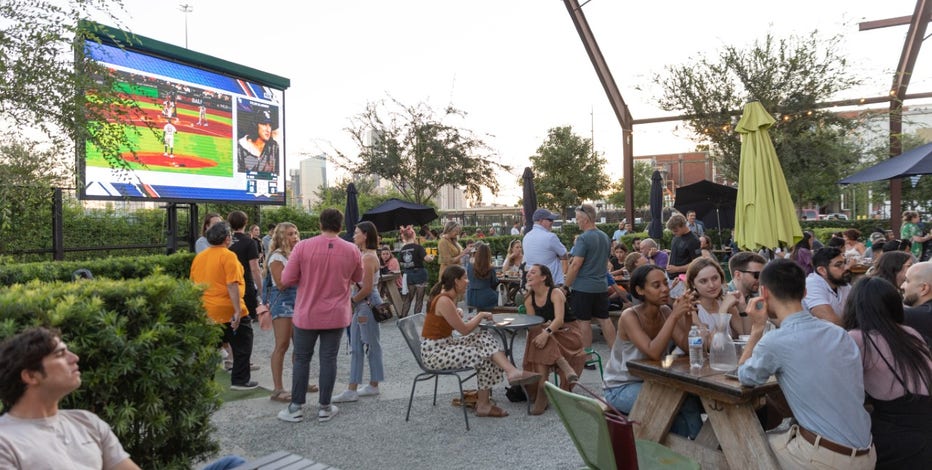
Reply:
x=584, y=420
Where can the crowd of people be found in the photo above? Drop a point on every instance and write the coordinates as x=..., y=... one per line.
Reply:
x=853, y=361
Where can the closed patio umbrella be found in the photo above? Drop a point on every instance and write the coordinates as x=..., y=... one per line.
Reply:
x=394, y=213
x=655, y=228
x=765, y=216
x=351, y=213
x=529, y=199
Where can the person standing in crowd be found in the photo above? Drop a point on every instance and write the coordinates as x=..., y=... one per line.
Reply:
x=654, y=255
x=586, y=277
x=481, y=293
x=917, y=295
x=542, y=246
x=828, y=286
x=413, y=256
x=247, y=253
x=449, y=249
x=440, y=349
x=911, y=232
x=209, y=220
x=516, y=229
x=219, y=269
x=802, y=253
x=256, y=233
x=695, y=226
x=621, y=232
x=647, y=331
x=818, y=367
x=37, y=370
x=267, y=239
x=323, y=267
x=554, y=343
x=684, y=248
x=897, y=375
x=280, y=299
x=364, y=330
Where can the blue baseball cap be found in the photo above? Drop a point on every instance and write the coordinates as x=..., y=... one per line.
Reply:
x=541, y=214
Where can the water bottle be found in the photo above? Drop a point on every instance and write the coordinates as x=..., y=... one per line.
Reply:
x=695, y=347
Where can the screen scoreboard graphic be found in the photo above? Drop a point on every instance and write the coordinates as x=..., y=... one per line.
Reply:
x=202, y=129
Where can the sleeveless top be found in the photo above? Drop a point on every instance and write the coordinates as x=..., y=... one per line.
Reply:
x=435, y=326
x=546, y=311
x=616, y=371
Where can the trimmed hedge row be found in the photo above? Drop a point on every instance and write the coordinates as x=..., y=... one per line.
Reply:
x=148, y=355
x=124, y=267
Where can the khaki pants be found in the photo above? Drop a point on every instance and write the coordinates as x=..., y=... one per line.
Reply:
x=795, y=452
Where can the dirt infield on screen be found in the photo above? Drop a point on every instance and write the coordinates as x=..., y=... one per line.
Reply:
x=196, y=151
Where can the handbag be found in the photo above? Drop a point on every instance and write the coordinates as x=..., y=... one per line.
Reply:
x=621, y=433
x=383, y=311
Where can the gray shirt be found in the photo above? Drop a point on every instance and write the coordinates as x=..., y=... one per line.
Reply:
x=819, y=370
x=593, y=245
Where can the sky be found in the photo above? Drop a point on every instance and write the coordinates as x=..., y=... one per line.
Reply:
x=517, y=67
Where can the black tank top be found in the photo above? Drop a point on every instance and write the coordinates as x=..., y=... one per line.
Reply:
x=546, y=311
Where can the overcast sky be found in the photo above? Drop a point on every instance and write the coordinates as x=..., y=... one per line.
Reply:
x=517, y=67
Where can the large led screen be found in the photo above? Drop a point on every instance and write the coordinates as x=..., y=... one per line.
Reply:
x=196, y=134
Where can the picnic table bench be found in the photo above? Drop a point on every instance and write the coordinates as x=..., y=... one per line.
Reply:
x=283, y=460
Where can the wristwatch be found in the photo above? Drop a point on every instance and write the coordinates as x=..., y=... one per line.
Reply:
x=548, y=330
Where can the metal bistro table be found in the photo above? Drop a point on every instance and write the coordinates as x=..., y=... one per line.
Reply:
x=732, y=422
x=508, y=325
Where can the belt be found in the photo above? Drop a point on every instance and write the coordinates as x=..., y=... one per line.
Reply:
x=810, y=437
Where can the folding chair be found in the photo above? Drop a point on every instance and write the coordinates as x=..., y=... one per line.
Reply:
x=410, y=329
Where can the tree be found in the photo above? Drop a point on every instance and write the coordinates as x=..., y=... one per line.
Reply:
x=789, y=77
x=567, y=170
x=419, y=152
x=642, y=174
x=368, y=195
x=43, y=81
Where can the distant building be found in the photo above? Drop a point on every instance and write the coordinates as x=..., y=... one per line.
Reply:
x=312, y=177
x=451, y=198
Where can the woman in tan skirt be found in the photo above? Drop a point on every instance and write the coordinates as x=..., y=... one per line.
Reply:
x=556, y=341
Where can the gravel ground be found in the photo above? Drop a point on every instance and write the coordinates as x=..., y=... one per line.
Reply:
x=372, y=432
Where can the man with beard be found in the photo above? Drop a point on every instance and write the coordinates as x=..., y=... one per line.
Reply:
x=828, y=286
x=917, y=295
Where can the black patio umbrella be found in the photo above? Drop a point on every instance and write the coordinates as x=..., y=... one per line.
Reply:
x=350, y=213
x=917, y=161
x=655, y=228
x=713, y=203
x=529, y=199
x=394, y=213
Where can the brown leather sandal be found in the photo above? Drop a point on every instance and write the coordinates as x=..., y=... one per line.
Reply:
x=494, y=412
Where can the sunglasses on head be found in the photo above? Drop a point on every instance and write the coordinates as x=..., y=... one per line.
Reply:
x=756, y=274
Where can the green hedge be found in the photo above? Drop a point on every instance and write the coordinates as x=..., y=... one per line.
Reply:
x=125, y=267
x=148, y=355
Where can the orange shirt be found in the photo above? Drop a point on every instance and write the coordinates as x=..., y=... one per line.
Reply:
x=215, y=268
x=435, y=326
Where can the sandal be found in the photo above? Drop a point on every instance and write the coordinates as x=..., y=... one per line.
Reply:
x=525, y=378
x=280, y=395
x=494, y=412
x=312, y=388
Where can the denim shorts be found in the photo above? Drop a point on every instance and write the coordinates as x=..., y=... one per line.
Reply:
x=281, y=303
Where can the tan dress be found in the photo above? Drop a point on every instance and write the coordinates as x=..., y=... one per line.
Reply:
x=446, y=251
x=565, y=342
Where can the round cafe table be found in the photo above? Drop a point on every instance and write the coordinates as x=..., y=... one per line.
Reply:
x=507, y=326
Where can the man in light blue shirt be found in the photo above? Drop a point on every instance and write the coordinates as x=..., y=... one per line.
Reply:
x=543, y=247
x=818, y=367
x=623, y=230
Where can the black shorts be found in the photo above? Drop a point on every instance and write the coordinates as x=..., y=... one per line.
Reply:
x=588, y=305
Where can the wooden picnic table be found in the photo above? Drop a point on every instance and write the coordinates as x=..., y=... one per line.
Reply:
x=387, y=284
x=732, y=422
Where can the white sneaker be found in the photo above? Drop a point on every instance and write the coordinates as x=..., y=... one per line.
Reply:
x=292, y=413
x=368, y=391
x=326, y=415
x=345, y=397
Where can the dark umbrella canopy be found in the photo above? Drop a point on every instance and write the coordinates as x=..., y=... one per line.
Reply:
x=394, y=213
x=917, y=161
x=655, y=228
x=529, y=198
x=713, y=203
x=350, y=213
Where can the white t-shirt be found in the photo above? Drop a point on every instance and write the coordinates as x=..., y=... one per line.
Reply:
x=277, y=256
x=818, y=292
x=73, y=439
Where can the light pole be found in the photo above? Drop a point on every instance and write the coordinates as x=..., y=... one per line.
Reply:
x=186, y=8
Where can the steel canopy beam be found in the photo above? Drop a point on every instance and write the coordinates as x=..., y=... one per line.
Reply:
x=614, y=97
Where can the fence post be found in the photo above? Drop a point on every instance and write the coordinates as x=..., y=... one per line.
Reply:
x=194, y=226
x=58, y=235
x=172, y=232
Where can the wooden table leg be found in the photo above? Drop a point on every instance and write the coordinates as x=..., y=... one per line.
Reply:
x=740, y=434
x=395, y=296
x=654, y=410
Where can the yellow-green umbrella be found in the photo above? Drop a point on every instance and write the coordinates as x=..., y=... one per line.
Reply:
x=765, y=216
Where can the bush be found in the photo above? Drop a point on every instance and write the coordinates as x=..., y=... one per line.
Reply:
x=148, y=356
x=125, y=267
